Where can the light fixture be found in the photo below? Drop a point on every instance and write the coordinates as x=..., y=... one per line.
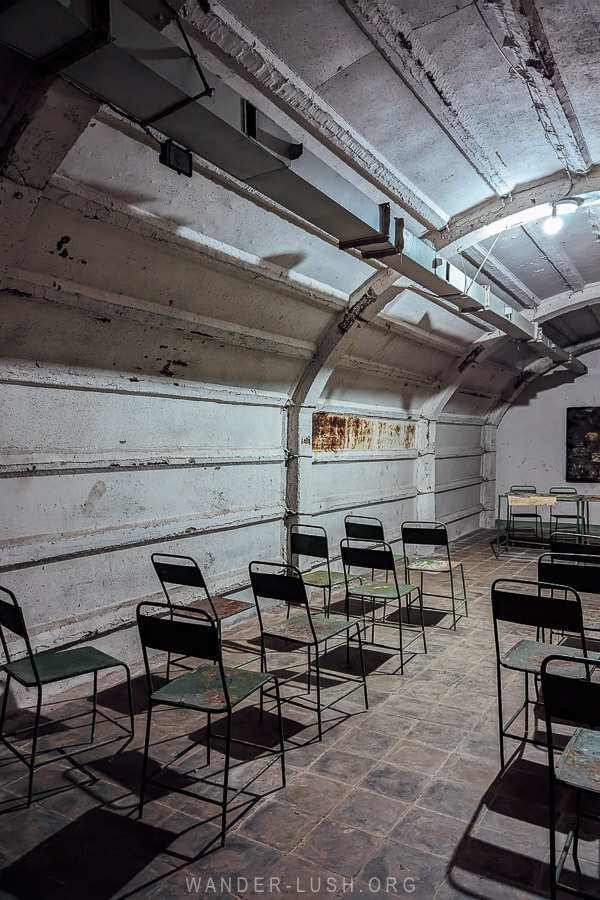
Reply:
x=553, y=223
x=563, y=207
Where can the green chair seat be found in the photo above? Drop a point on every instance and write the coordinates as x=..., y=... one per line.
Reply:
x=297, y=628
x=579, y=763
x=381, y=589
x=320, y=578
x=528, y=656
x=203, y=688
x=61, y=664
x=433, y=564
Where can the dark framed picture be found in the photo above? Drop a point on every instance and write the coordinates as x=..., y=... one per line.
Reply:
x=583, y=443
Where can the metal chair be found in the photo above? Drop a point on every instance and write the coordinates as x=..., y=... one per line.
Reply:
x=521, y=602
x=367, y=528
x=212, y=688
x=433, y=534
x=524, y=516
x=574, y=702
x=311, y=541
x=558, y=518
x=183, y=571
x=379, y=558
x=575, y=544
x=577, y=571
x=275, y=581
x=35, y=670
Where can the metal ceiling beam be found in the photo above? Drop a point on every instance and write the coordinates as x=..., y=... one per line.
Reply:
x=501, y=276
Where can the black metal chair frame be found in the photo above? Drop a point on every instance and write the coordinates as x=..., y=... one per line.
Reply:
x=524, y=489
x=572, y=543
x=558, y=517
x=277, y=581
x=184, y=571
x=367, y=528
x=175, y=630
x=34, y=670
x=540, y=611
x=434, y=534
x=573, y=701
x=576, y=570
x=311, y=541
x=363, y=554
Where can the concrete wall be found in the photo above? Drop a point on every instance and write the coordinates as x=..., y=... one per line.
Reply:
x=531, y=436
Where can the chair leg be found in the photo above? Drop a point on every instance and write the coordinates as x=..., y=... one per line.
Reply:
x=422, y=621
x=226, y=778
x=209, y=737
x=145, y=760
x=400, y=647
x=453, y=600
x=309, y=669
x=4, y=705
x=130, y=699
x=576, y=830
x=500, y=716
x=36, y=728
x=318, y=674
x=464, y=587
x=94, y=707
x=281, y=742
x=552, y=831
x=263, y=654
x=526, y=704
x=362, y=665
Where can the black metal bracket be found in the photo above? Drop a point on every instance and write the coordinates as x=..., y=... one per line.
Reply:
x=286, y=149
x=382, y=237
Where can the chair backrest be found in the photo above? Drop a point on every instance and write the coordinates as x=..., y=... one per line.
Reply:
x=172, y=629
x=582, y=573
x=276, y=581
x=575, y=544
x=362, y=554
x=12, y=619
x=428, y=534
x=523, y=489
x=574, y=700
x=563, y=490
x=177, y=570
x=309, y=540
x=532, y=607
x=364, y=528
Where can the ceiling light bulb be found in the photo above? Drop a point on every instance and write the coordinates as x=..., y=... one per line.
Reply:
x=552, y=224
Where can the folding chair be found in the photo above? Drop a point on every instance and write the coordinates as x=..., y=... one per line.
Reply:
x=531, y=607
x=212, y=688
x=433, y=534
x=35, y=670
x=183, y=571
x=559, y=517
x=311, y=541
x=379, y=558
x=579, y=572
x=574, y=544
x=525, y=516
x=367, y=528
x=573, y=701
x=275, y=581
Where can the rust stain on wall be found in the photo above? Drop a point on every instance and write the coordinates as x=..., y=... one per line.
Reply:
x=332, y=433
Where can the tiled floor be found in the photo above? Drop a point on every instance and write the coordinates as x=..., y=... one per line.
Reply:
x=402, y=799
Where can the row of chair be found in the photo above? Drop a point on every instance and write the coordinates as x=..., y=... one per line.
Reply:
x=562, y=673
x=184, y=631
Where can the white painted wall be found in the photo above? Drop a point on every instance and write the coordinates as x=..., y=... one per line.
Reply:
x=531, y=436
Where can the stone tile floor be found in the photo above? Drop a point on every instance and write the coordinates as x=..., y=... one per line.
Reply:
x=402, y=799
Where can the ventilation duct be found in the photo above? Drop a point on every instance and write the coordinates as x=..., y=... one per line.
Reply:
x=153, y=81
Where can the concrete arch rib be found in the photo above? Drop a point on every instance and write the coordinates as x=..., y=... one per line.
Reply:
x=494, y=215
x=363, y=305
x=567, y=301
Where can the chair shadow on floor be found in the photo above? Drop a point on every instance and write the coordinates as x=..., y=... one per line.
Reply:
x=504, y=849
